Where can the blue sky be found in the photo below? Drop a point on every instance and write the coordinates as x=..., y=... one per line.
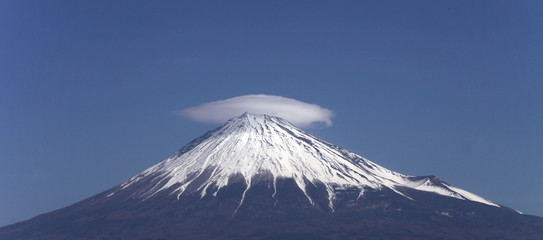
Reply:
x=89, y=89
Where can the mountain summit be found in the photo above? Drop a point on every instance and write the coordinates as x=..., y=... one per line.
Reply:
x=260, y=177
x=259, y=148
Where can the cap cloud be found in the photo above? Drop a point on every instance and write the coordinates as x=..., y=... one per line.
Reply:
x=297, y=112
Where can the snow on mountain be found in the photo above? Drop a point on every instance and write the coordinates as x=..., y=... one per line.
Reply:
x=251, y=145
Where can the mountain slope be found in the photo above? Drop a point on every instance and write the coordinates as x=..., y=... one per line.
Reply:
x=259, y=177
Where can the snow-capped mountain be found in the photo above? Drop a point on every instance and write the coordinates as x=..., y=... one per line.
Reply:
x=260, y=177
x=252, y=145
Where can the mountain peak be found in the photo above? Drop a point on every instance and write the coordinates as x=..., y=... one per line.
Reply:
x=251, y=120
x=259, y=177
x=258, y=147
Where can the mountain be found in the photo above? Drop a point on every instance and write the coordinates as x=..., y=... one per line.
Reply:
x=260, y=177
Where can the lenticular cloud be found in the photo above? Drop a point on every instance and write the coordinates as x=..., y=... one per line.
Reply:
x=298, y=113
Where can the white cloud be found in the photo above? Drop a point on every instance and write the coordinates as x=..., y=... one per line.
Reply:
x=298, y=113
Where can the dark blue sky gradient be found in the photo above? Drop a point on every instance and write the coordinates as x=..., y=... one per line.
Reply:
x=446, y=88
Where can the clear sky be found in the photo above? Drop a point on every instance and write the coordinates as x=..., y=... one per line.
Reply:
x=89, y=89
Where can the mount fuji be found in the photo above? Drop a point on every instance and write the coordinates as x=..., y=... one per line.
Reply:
x=260, y=177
